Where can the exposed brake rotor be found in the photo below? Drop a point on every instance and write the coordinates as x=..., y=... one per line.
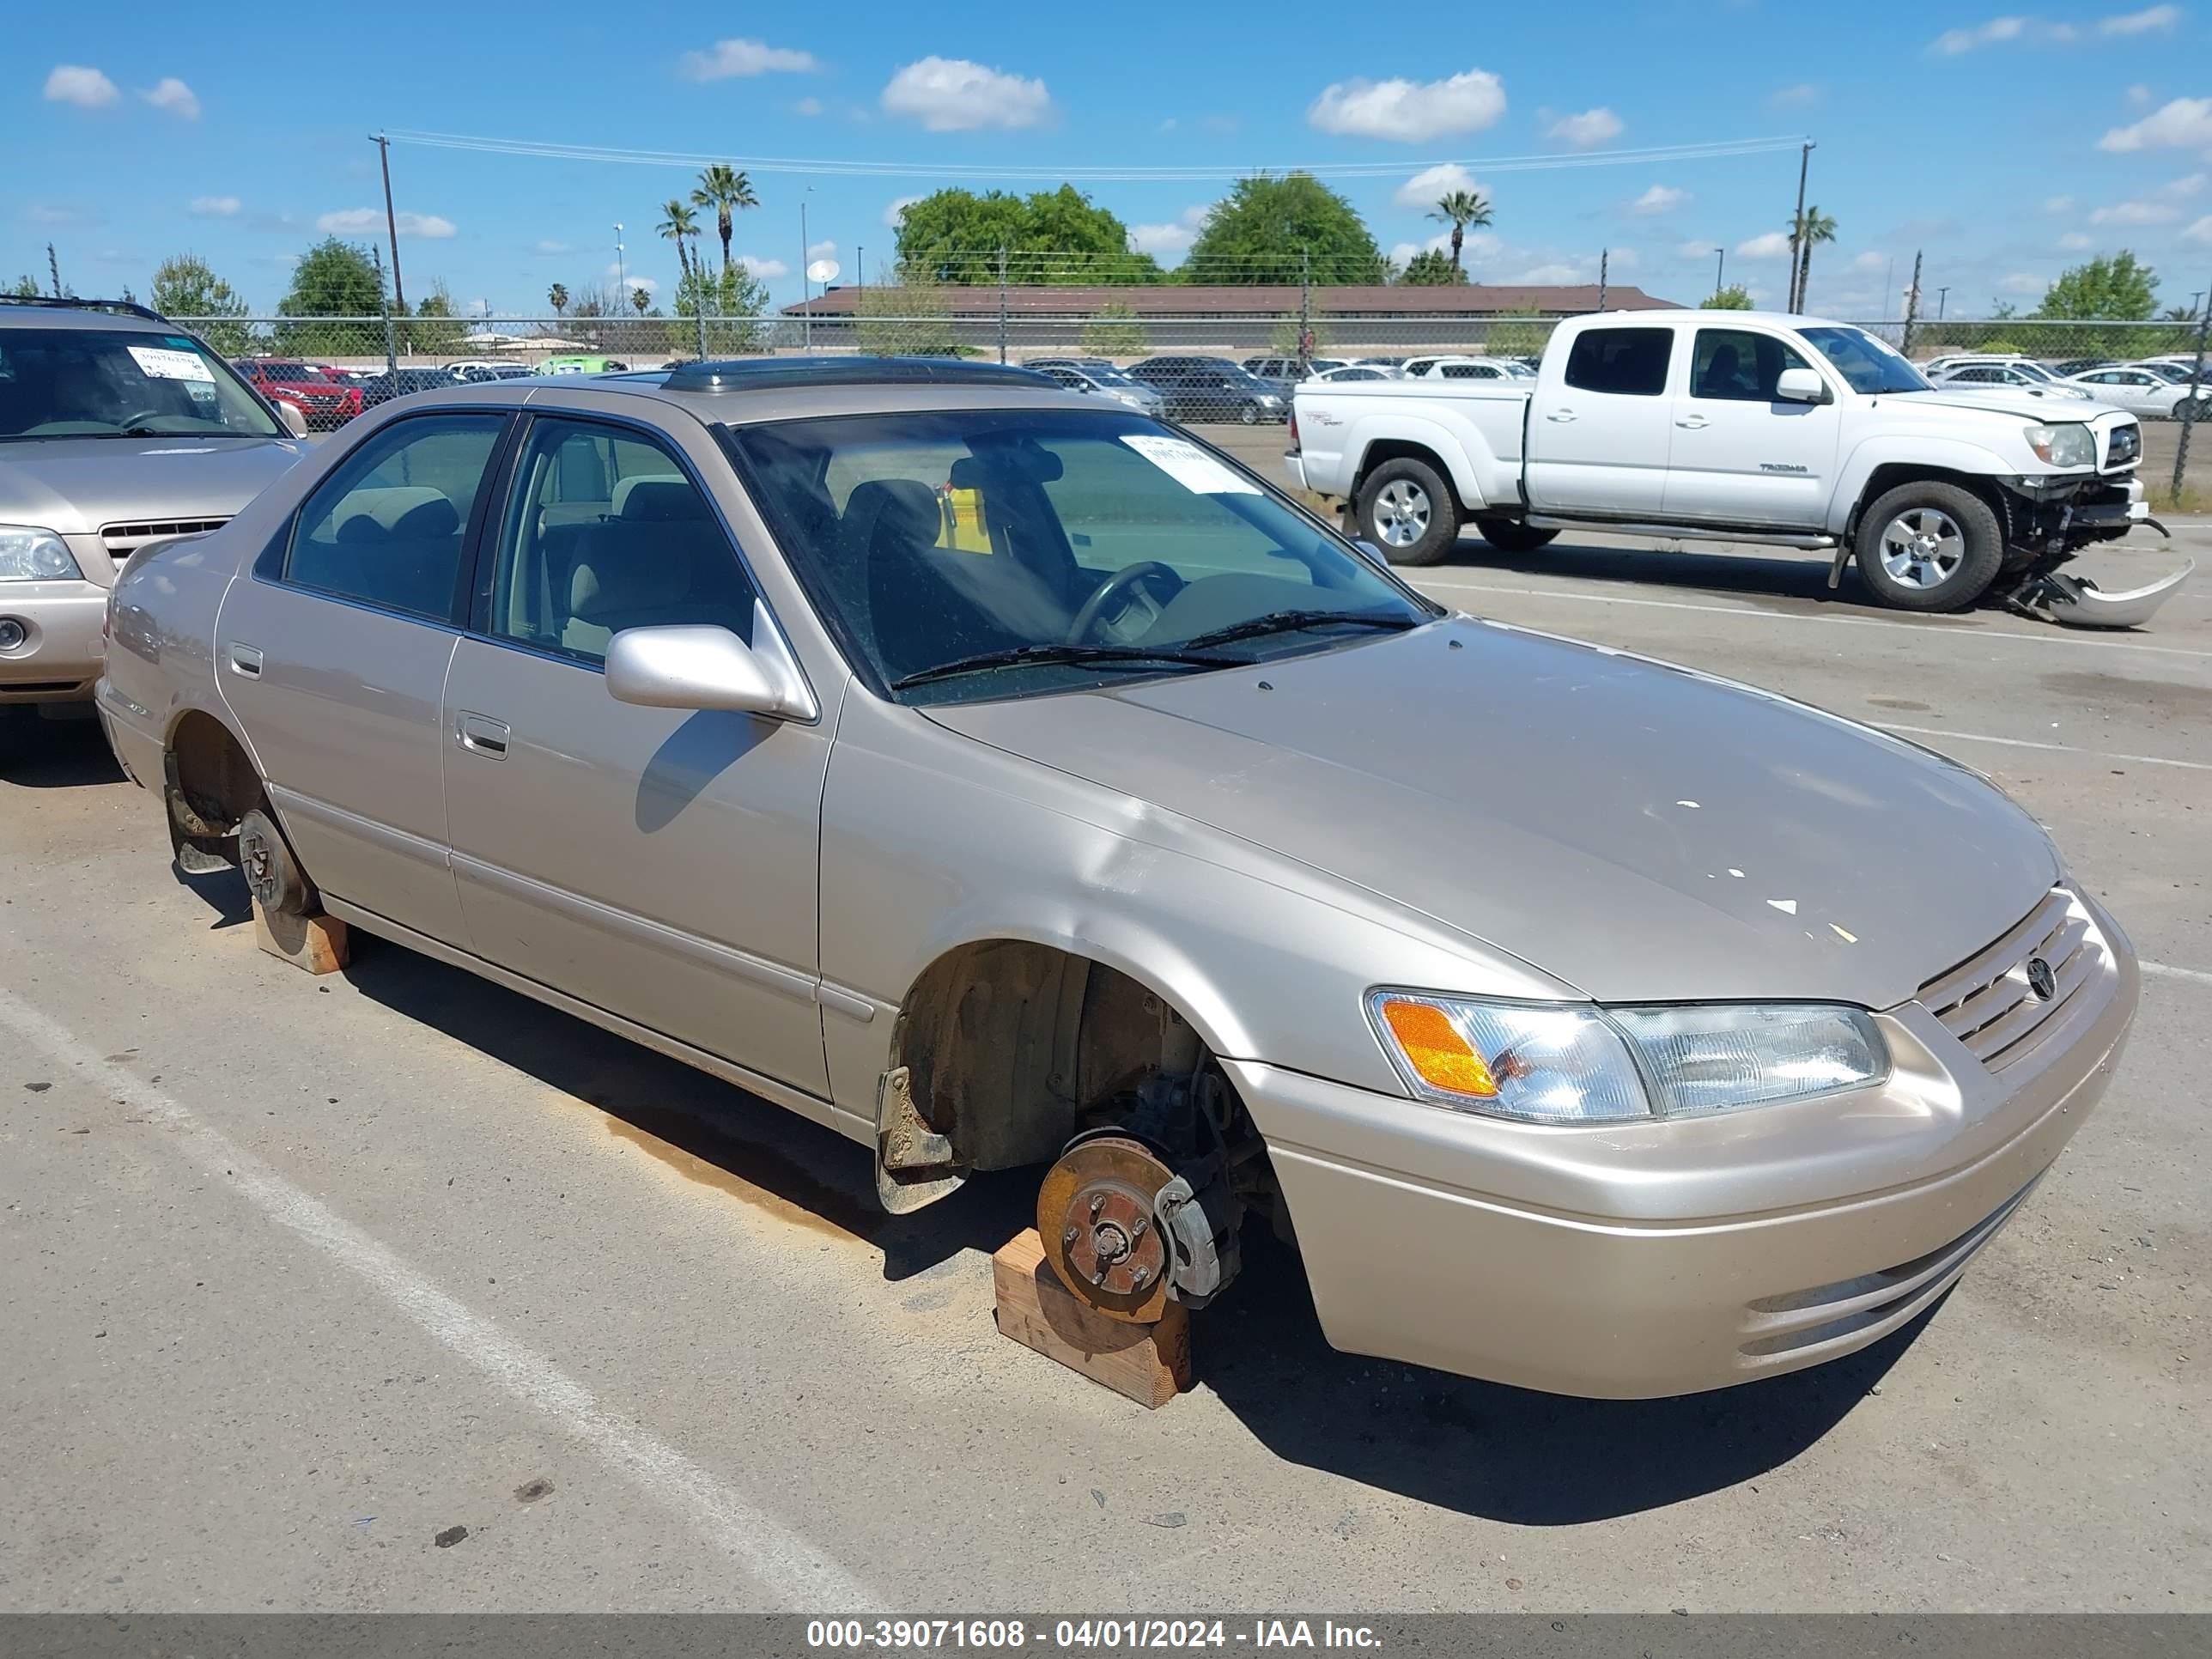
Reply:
x=1096, y=1218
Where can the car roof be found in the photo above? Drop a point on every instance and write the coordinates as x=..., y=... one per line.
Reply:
x=110, y=316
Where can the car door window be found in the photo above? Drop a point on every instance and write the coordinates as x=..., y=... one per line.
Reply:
x=1628, y=362
x=1738, y=366
x=603, y=530
x=388, y=527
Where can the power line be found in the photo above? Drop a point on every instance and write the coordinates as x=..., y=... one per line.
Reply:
x=1716, y=149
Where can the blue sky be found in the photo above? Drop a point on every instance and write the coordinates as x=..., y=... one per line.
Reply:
x=2004, y=146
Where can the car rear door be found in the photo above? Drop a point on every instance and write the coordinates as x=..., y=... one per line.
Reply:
x=1739, y=454
x=332, y=654
x=1600, y=427
x=658, y=863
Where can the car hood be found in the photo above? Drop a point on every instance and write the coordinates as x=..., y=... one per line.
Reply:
x=2005, y=400
x=1640, y=831
x=74, y=485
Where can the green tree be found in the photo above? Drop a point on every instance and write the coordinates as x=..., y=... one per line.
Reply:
x=558, y=297
x=641, y=300
x=1114, y=332
x=907, y=320
x=1050, y=236
x=2115, y=289
x=1517, y=338
x=436, y=330
x=1431, y=268
x=1275, y=229
x=332, y=279
x=1806, y=232
x=1735, y=297
x=1461, y=210
x=680, y=225
x=735, y=300
x=185, y=287
x=27, y=287
x=724, y=191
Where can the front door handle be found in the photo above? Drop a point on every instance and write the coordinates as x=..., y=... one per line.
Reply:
x=481, y=735
x=245, y=659
x=1693, y=422
x=1562, y=415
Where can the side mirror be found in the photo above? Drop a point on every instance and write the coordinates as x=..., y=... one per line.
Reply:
x=1800, y=385
x=294, y=421
x=703, y=666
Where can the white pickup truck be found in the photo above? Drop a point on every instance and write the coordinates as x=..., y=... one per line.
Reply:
x=1746, y=427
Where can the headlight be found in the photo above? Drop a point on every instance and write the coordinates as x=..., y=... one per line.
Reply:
x=2069, y=445
x=1559, y=1063
x=28, y=553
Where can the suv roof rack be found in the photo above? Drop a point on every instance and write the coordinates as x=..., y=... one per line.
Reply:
x=764, y=373
x=129, y=307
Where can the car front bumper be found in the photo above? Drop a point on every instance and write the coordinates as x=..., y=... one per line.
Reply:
x=58, y=658
x=1670, y=1258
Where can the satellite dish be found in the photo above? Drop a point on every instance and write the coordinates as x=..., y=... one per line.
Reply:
x=823, y=270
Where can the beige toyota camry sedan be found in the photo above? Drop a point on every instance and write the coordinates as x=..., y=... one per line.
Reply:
x=1005, y=778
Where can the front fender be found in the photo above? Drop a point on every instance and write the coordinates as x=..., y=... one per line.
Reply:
x=1933, y=454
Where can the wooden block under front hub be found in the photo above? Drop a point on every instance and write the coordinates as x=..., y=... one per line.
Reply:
x=317, y=943
x=1148, y=1363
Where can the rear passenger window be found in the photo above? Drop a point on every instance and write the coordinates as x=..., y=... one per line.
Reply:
x=605, y=531
x=388, y=526
x=1628, y=362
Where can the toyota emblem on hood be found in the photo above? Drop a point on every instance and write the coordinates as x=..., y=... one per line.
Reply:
x=2041, y=980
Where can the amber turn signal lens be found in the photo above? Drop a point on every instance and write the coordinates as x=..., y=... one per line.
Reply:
x=1440, y=1056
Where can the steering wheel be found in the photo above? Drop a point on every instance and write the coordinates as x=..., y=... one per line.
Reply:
x=140, y=417
x=1129, y=579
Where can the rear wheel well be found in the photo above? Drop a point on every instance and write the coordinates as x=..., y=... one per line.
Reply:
x=211, y=781
x=1401, y=449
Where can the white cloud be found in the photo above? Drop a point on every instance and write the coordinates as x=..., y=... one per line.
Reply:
x=2022, y=281
x=765, y=270
x=1409, y=112
x=2185, y=123
x=728, y=58
x=1803, y=95
x=2135, y=213
x=1169, y=239
x=822, y=250
x=1550, y=273
x=73, y=83
x=2181, y=189
x=809, y=106
x=629, y=280
x=550, y=246
x=1660, y=198
x=214, y=207
x=355, y=221
x=951, y=95
x=2139, y=96
x=2057, y=203
x=1587, y=131
x=1951, y=42
x=1870, y=262
x=1694, y=250
x=41, y=213
x=2199, y=231
x=894, y=213
x=1775, y=244
x=1425, y=187
x=1403, y=252
x=2074, y=241
x=173, y=95
x=2141, y=22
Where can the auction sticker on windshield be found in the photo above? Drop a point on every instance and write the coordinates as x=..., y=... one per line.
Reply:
x=160, y=364
x=1189, y=465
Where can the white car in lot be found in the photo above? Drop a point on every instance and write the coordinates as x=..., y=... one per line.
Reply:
x=2008, y=375
x=2141, y=389
x=1467, y=368
x=1739, y=426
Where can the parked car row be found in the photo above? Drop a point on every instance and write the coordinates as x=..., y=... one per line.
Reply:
x=2158, y=388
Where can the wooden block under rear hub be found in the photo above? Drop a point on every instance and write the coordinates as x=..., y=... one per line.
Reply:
x=317, y=943
x=1148, y=1363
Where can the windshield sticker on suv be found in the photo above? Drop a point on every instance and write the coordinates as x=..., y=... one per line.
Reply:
x=1189, y=465
x=159, y=364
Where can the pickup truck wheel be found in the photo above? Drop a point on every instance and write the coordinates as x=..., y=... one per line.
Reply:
x=1929, y=547
x=1409, y=512
x=1510, y=534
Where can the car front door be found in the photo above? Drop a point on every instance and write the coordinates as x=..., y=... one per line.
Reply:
x=658, y=863
x=1740, y=455
x=333, y=652
x=1599, y=428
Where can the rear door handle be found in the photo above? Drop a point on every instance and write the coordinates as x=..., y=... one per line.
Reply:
x=481, y=735
x=1694, y=422
x=245, y=659
x=1562, y=415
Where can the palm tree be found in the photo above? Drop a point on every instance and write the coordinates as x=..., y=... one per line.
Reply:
x=640, y=299
x=1807, y=231
x=723, y=189
x=1461, y=209
x=558, y=297
x=678, y=223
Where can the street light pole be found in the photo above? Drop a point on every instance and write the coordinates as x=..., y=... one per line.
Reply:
x=805, y=282
x=1942, y=299
x=390, y=220
x=622, y=275
x=1797, y=225
x=1720, y=265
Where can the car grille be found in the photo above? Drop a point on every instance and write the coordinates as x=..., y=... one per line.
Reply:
x=2126, y=447
x=122, y=540
x=1828, y=1313
x=1988, y=1002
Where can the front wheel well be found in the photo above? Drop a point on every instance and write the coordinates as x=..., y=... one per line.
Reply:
x=1891, y=474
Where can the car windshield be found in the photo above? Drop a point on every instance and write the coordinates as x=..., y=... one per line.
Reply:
x=1870, y=366
x=120, y=383
x=1105, y=375
x=2171, y=374
x=966, y=554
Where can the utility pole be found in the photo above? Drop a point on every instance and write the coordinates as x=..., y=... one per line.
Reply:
x=1720, y=265
x=1002, y=305
x=2188, y=411
x=54, y=270
x=390, y=220
x=1942, y=301
x=805, y=282
x=1603, y=255
x=1911, y=305
x=1797, y=224
x=1305, y=310
x=390, y=335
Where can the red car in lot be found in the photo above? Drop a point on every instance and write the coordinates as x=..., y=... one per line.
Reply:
x=325, y=400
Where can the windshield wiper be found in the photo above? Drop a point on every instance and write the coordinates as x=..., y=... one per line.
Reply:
x=1019, y=655
x=1289, y=622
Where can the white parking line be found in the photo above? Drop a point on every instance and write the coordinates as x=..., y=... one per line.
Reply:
x=2193, y=976
x=2056, y=635
x=789, y=1567
x=2026, y=743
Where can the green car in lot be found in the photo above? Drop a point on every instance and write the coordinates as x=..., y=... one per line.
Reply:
x=580, y=366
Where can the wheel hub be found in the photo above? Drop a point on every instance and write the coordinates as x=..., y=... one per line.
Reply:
x=1095, y=1217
